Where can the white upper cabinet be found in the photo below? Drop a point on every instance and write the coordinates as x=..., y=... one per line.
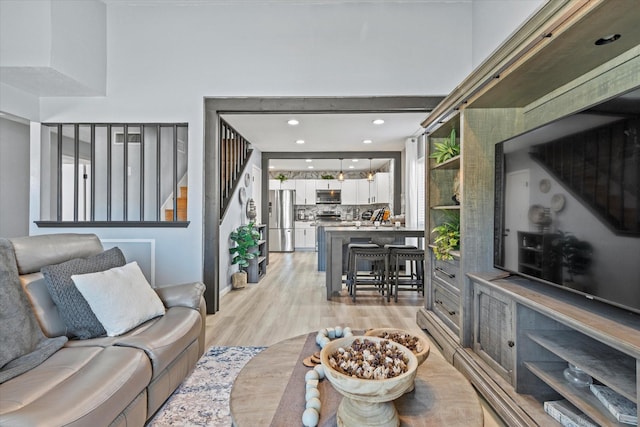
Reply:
x=349, y=192
x=305, y=191
x=363, y=191
x=382, y=182
x=328, y=184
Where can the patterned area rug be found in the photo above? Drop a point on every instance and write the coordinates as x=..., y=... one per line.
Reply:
x=203, y=398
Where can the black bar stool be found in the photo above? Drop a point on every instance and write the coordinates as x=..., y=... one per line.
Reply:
x=351, y=262
x=414, y=281
x=375, y=278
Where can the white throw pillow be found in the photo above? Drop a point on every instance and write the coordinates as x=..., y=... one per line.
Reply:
x=121, y=298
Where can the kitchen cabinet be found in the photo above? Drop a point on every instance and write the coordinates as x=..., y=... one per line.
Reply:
x=305, y=191
x=328, y=184
x=305, y=233
x=287, y=184
x=363, y=192
x=350, y=192
x=382, y=185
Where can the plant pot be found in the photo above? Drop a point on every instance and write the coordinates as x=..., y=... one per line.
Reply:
x=239, y=280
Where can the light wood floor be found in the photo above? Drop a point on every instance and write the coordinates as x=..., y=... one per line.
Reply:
x=291, y=300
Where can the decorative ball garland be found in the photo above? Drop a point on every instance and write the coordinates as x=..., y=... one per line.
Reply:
x=311, y=414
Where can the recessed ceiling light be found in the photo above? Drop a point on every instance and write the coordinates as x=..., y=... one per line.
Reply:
x=310, y=167
x=367, y=141
x=354, y=160
x=351, y=166
x=308, y=160
x=378, y=121
x=607, y=39
x=300, y=141
x=272, y=167
x=292, y=122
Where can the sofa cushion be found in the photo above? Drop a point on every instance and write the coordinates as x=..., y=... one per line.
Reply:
x=76, y=387
x=164, y=338
x=121, y=298
x=46, y=311
x=74, y=309
x=22, y=343
x=34, y=252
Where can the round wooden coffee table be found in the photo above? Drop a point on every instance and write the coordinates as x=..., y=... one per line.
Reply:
x=442, y=397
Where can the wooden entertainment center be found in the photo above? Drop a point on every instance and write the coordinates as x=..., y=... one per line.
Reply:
x=513, y=337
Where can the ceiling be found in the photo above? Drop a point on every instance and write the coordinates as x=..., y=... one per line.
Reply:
x=344, y=132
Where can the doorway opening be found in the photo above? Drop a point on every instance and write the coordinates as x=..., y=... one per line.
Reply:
x=215, y=107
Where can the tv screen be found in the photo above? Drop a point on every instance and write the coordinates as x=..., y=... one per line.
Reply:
x=567, y=206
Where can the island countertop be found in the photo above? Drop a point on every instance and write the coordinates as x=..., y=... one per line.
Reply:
x=337, y=236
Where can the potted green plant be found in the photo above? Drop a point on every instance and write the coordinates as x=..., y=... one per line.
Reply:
x=246, y=238
x=281, y=177
x=447, y=237
x=446, y=149
x=575, y=254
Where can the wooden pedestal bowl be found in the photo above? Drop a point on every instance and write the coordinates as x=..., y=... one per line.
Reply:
x=368, y=402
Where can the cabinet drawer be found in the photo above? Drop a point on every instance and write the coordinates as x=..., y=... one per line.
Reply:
x=447, y=306
x=447, y=270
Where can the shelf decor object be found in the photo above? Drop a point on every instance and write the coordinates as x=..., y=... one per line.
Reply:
x=577, y=376
x=620, y=407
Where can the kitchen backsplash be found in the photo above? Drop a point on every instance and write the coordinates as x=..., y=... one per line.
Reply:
x=346, y=212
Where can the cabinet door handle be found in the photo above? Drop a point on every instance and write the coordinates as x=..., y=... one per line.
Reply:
x=443, y=271
x=438, y=301
x=451, y=313
x=510, y=343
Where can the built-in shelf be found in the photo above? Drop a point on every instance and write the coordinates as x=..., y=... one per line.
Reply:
x=581, y=397
x=452, y=163
x=455, y=254
x=446, y=207
x=611, y=367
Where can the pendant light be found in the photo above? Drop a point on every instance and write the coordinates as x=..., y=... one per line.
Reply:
x=370, y=175
x=341, y=174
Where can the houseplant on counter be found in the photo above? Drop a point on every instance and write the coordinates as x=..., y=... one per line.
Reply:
x=447, y=236
x=246, y=238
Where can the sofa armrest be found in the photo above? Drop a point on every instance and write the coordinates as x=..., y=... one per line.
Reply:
x=184, y=295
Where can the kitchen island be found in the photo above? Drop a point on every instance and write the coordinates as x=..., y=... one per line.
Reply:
x=336, y=237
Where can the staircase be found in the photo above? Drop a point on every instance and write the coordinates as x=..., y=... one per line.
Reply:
x=182, y=207
x=600, y=168
x=235, y=152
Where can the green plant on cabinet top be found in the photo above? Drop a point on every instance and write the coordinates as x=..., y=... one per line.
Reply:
x=246, y=238
x=447, y=236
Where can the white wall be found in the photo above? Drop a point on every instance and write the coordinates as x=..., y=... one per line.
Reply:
x=54, y=48
x=14, y=178
x=235, y=216
x=163, y=58
x=494, y=21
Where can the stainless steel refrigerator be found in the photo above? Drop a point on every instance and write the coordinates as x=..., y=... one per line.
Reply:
x=281, y=220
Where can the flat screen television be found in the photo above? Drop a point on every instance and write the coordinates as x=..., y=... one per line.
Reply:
x=568, y=203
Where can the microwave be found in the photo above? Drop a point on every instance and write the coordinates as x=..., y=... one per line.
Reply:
x=328, y=197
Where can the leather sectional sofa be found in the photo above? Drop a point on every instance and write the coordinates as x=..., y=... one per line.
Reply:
x=109, y=380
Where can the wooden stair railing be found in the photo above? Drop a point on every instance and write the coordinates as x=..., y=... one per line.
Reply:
x=601, y=168
x=235, y=152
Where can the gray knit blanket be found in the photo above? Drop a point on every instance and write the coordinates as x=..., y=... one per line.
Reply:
x=23, y=346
